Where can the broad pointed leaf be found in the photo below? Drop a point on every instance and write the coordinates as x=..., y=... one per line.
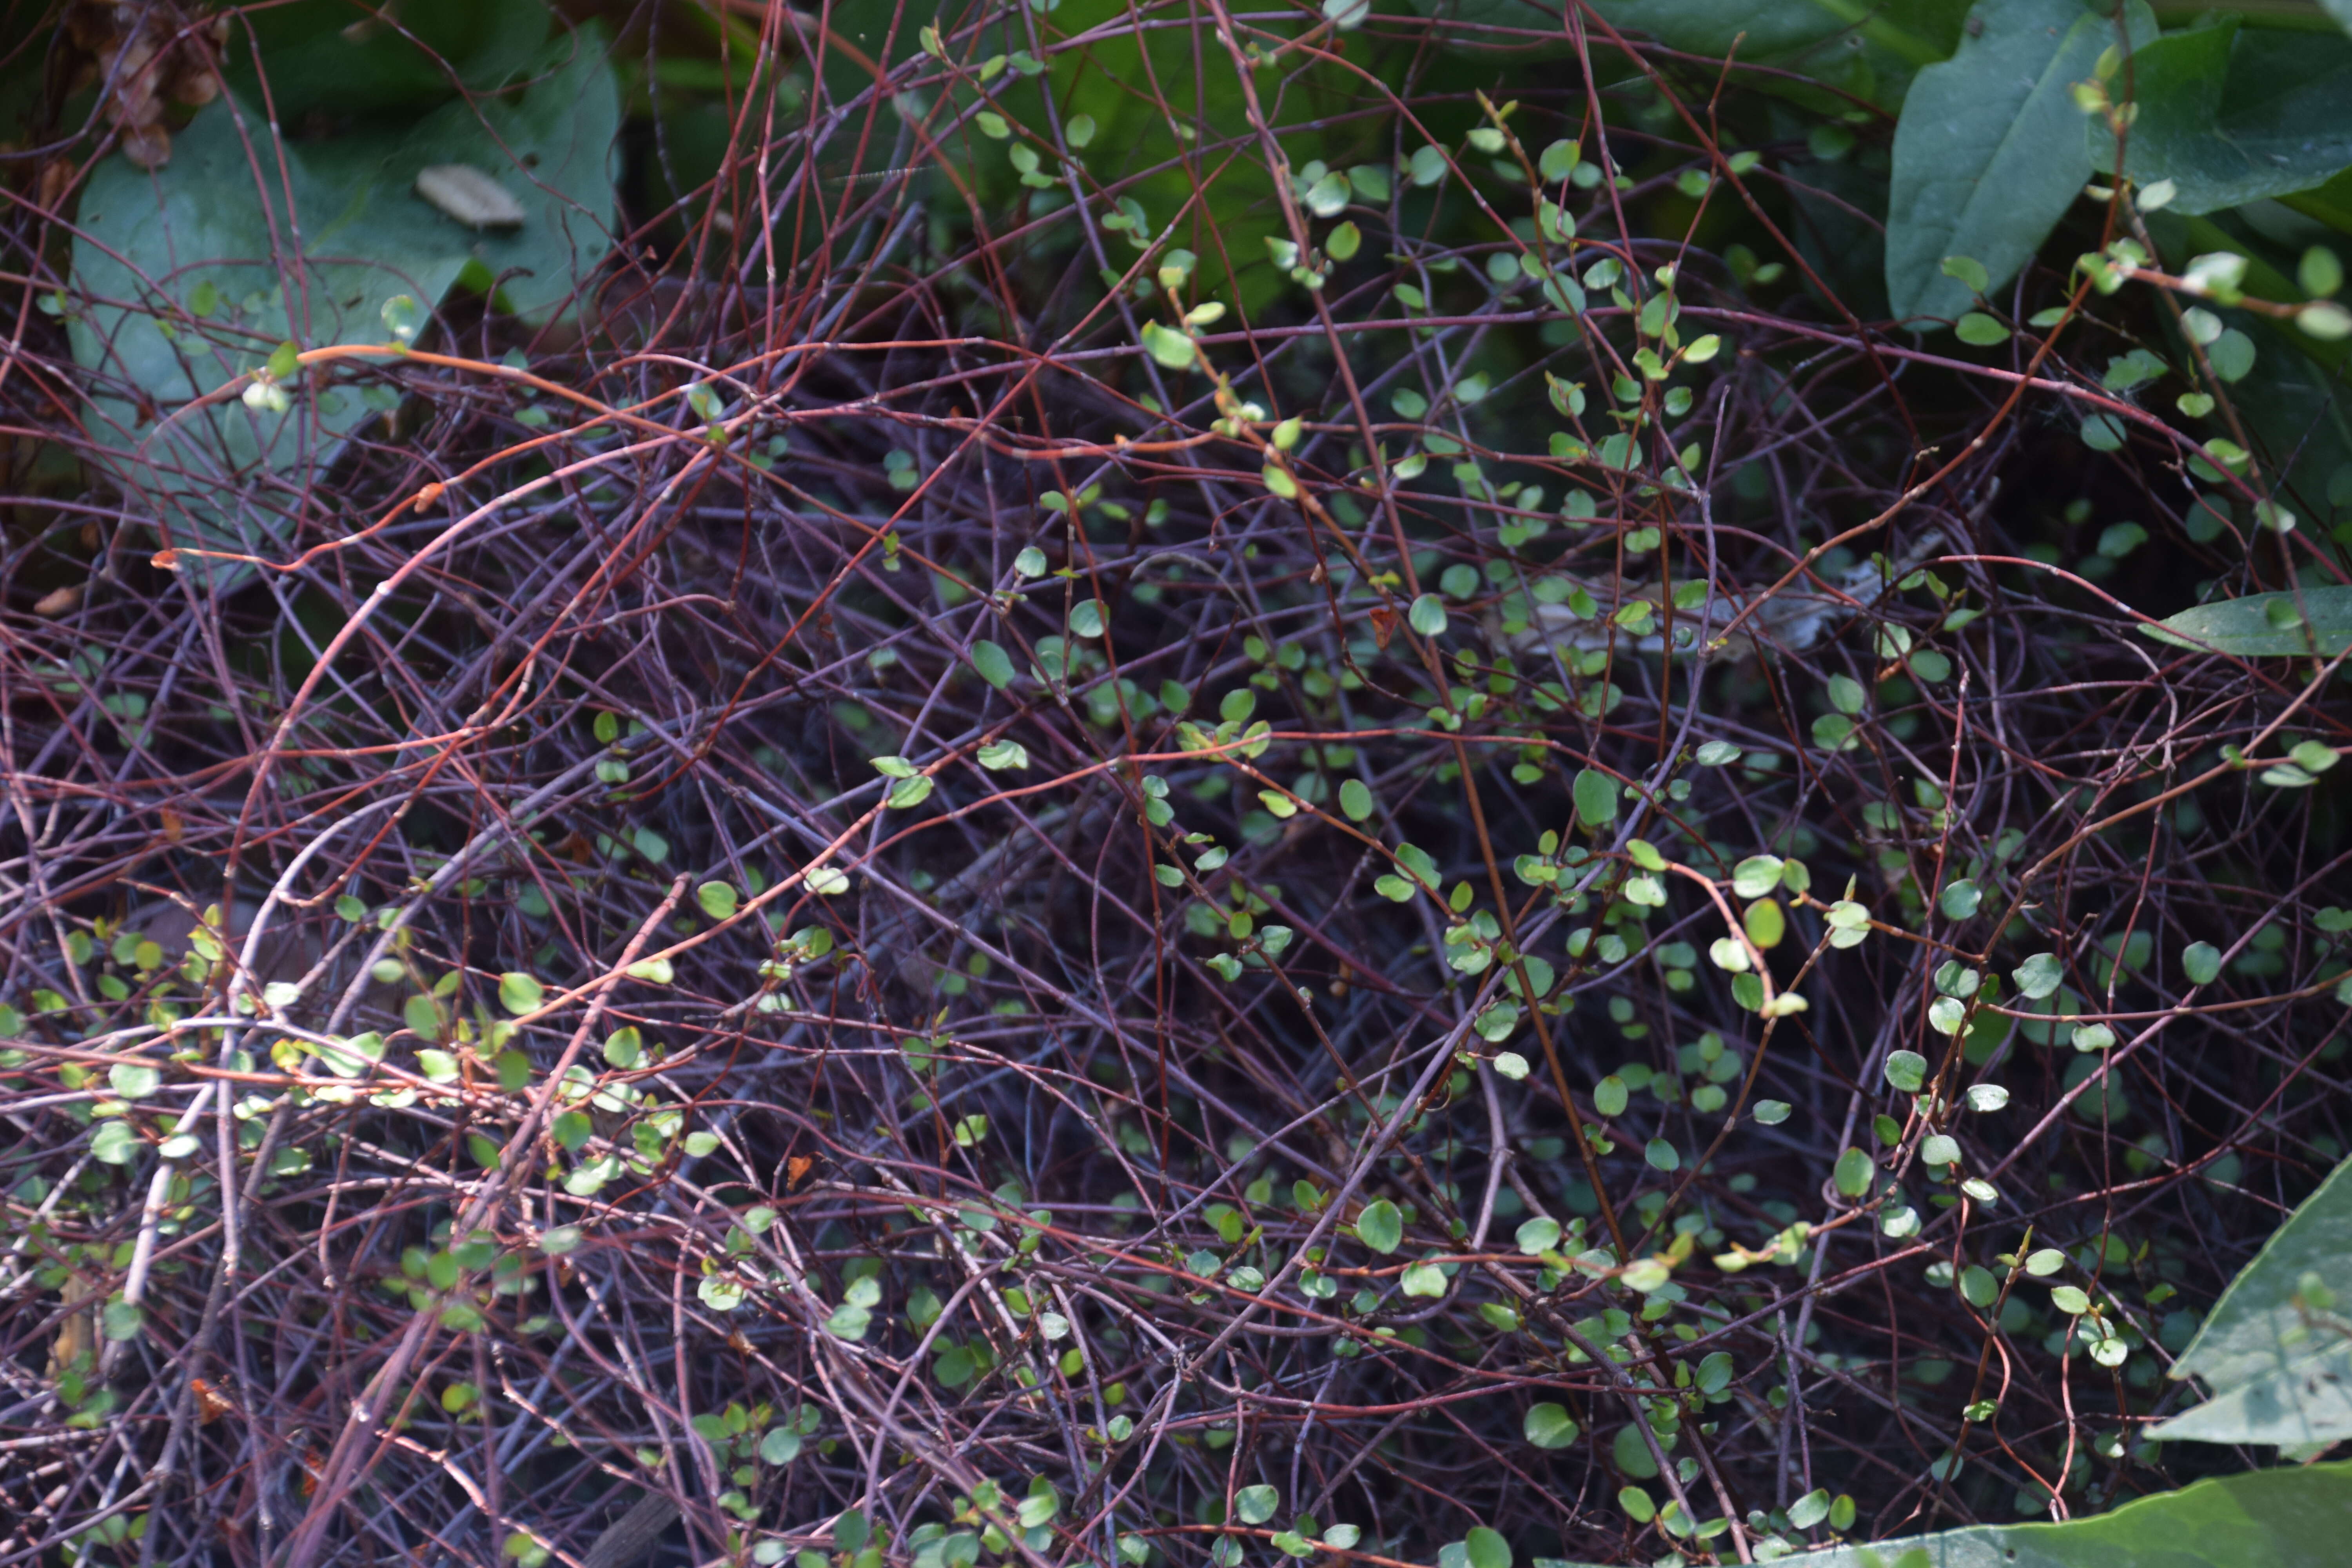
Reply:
x=1894, y=39
x=184, y=284
x=2264, y=626
x=2233, y=115
x=1989, y=152
x=319, y=59
x=2275, y=1351
x=2262, y=1518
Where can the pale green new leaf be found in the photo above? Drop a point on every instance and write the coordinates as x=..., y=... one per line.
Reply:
x=2262, y=626
x=1381, y=1225
x=134, y=1080
x=1549, y=1426
x=519, y=992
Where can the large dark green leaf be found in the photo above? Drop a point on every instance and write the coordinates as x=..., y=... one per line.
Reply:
x=1710, y=26
x=2297, y=1518
x=2264, y=1518
x=551, y=148
x=2276, y=1356
x=2231, y=115
x=2263, y=625
x=328, y=57
x=1840, y=242
x=1904, y=35
x=1989, y=152
x=1701, y=27
x=184, y=294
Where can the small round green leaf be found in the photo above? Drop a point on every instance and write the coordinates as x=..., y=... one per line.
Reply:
x=1756, y=875
x=122, y=1320
x=2102, y=433
x=2232, y=355
x=1987, y=1097
x=1540, y=1234
x=992, y=663
x=2038, y=976
x=1171, y=349
x=1596, y=798
x=1549, y=1426
x=1608, y=1096
x=519, y=992
x=1980, y=330
x=1974, y=277
x=1380, y=1227
x=134, y=1080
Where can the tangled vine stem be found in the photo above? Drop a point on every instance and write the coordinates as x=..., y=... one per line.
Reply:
x=1300, y=827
